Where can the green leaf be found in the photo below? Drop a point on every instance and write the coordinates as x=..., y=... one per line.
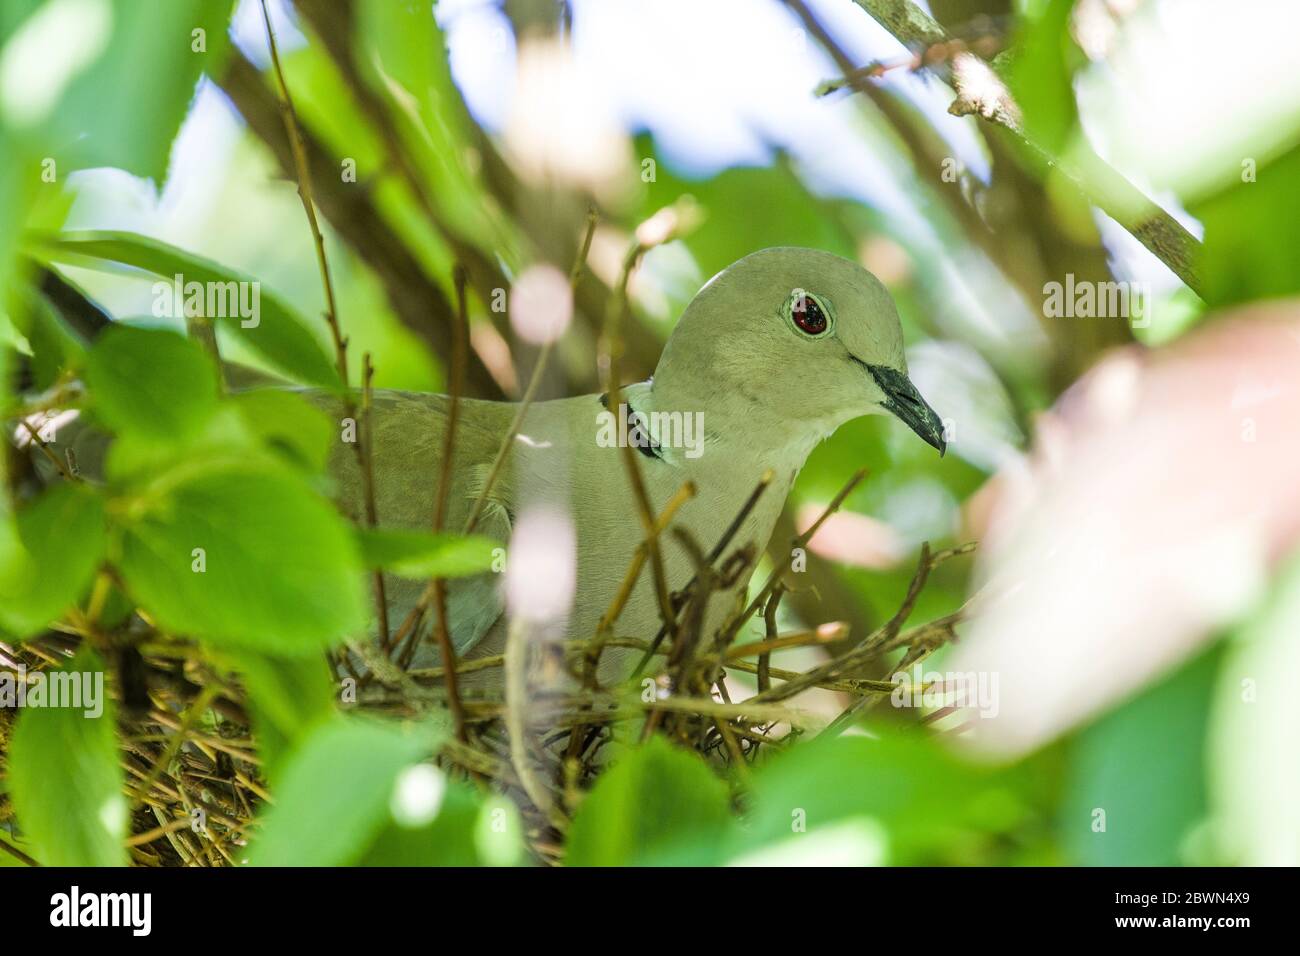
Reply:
x=1143, y=764
x=288, y=698
x=1252, y=230
x=467, y=830
x=1042, y=72
x=654, y=803
x=244, y=555
x=55, y=349
x=336, y=793
x=899, y=799
x=151, y=381
x=49, y=555
x=281, y=337
x=125, y=75
x=423, y=554
x=289, y=424
x=64, y=775
x=1252, y=741
x=133, y=458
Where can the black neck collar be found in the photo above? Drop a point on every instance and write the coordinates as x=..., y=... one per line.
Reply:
x=638, y=434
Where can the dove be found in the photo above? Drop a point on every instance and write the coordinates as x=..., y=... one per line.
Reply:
x=771, y=356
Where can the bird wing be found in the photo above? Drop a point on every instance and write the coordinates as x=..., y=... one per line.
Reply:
x=409, y=432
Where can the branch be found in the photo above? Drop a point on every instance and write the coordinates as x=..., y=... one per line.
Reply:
x=983, y=92
x=418, y=301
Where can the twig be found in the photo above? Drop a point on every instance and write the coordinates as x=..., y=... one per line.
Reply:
x=45, y=449
x=722, y=543
x=445, y=647
x=801, y=540
x=1099, y=182
x=305, y=194
x=368, y=483
x=173, y=746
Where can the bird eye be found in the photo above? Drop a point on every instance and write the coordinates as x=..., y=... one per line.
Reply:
x=808, y=315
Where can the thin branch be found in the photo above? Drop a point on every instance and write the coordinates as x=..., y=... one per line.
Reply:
x=45, y=450
x=308, y=204
x=1099, y=182
x=368, y=487
x=445, y=647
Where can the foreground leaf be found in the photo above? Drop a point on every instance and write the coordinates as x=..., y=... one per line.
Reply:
x=113, y=111
x=422, y=554
x=281, y=337
x=246, y=556
x=336, y=791
x=65, y=779
x=659, y=801
x=152, y=382
x=48, y=557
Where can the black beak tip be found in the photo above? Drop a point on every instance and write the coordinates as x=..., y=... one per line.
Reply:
x=904, y=401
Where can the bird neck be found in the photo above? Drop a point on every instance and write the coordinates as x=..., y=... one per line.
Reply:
x=706, y=429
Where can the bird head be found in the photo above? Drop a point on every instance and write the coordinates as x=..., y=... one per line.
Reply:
x=804, y=339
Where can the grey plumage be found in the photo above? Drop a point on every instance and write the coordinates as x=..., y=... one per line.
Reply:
x=765, y=393
x=741, y=364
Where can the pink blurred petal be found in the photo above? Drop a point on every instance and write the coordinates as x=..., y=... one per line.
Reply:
x=1161, y=490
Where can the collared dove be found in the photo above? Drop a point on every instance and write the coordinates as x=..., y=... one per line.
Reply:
x=772, y=355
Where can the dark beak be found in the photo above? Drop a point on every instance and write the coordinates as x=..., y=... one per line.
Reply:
x=902, y=398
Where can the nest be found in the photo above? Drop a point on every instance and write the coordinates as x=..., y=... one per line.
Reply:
x=189, y=754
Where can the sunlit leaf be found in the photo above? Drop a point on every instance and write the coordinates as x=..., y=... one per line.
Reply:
x=151, y=381
x=281, y=337
x=336, y=793
x=49, y=556
x=64, y=775
x=423, y=554
x=657, y=801
x=244, y=555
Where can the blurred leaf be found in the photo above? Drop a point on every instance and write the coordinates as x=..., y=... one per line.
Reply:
x=151, y=381
x=657, y=801
x=279, y=569
x=288, y=698
x=903, y=799
x=48, y=563
x=8, y=859
x=792, y=216
x=65, y=779
x=55, y=349
x=1143, y=764
x=281, y=337
x=1041, y=73
x=423, y=554
x=289, y=423
x=335, y=794
x=1251, y=233
x=1255, y=775
x=467, y=830
x=108, y=82
x=136, y=457
x=404, y=54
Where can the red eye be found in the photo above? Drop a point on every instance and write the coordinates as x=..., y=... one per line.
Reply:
x=808, y=315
